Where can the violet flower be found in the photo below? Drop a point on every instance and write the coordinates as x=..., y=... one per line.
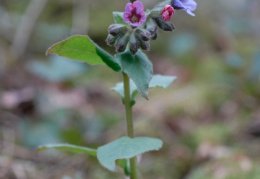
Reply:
x=187, y=5
x=134, y=13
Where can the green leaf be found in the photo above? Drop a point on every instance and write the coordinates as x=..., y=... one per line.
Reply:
x=69, y=148
x=156, y=81
x=82, y=48
x=108, y=59
x=161, y=81
x=118, y=17
x=125, y=148
x=119, y=88
x=139, y=68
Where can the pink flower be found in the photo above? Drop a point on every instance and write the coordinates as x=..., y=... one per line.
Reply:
x=167, y=13
x=134, y=13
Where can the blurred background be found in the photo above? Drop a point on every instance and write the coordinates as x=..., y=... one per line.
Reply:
x=209, y=119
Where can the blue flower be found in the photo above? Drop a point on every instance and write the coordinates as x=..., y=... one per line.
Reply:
x=187, y=5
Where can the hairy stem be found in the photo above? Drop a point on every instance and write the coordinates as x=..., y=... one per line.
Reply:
x=129, y=120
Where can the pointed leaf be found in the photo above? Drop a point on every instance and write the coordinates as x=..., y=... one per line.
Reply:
x=119, y=88
x=161, y=81
x=107, y=59
x=69, y=148
x=125, y=148
x=82, y=48
x=139, y=68
x=156, y=81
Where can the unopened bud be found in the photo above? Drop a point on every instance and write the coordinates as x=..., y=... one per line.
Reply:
x=166, y=26
x=167, y=12
x=145, y=45
x=122, y=42
x=143, y=34
x=152, y=28
x=133, y=44
x=110, y=40
x=154, y=36
x=115, y=29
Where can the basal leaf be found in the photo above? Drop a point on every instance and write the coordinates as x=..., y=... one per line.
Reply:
x=82, y=48
x=69, y=148
x=125, y=148
x=139, y=68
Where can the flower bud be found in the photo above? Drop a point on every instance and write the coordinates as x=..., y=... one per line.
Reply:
x=110, y=40
x=167, y=13
x=152, y=28
x=143, y=34
x=115, y=29
x=145, y=45
x=122, y=42
x=154, y=36
x=133, y=44
x=166, y=26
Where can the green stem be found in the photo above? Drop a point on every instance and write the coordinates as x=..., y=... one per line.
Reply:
x=129, y=120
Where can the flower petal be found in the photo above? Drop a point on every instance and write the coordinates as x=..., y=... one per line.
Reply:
x=188, y=5
x=139, y=7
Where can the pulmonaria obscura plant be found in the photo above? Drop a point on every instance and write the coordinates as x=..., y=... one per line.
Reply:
x=130, y=34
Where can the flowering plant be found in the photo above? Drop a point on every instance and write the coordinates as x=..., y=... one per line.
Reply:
x=130, y=34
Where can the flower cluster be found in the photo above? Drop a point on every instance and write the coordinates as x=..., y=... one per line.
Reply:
x=138, y=27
